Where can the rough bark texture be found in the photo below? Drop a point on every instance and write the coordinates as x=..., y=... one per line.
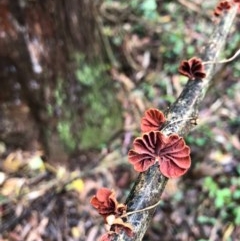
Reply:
x=150, y=185
x=39, y=44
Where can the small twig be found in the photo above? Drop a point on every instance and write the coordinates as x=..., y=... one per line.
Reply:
x=106, y=43
x=190, y=5
x=224, y=60
x=141, y=210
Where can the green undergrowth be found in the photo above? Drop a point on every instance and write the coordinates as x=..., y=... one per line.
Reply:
x=200, y=137
x=225, y=194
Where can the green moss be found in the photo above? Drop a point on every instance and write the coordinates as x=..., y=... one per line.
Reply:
x=90, y=121
x=102, y=114
x=64, y=130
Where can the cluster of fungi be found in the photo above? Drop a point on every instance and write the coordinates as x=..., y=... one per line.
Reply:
x=169, y=153
x=224, y=6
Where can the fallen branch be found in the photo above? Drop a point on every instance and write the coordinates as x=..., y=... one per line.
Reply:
x=150, y=184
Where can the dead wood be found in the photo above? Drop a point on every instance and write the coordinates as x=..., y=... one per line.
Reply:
x=150, y=185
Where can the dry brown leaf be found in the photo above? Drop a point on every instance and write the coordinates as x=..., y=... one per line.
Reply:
x=13, y=162
x=220, y=157
x=2, y=177
x=235, y=142
x=12, y=186
x=19, y=159
x=171, y=188
x=228, y=232
x=122, y=78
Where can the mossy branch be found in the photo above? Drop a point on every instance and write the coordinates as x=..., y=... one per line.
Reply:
x=150, y=184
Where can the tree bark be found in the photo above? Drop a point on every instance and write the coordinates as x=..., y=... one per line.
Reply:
x=40, y=42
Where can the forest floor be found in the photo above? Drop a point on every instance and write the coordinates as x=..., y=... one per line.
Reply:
x=40, y=201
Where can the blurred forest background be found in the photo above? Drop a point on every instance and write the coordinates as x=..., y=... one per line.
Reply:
x=75, y=78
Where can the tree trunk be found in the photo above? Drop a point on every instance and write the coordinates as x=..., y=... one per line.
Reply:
x=43, y=43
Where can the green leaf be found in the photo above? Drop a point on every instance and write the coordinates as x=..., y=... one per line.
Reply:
x=223, y=197
x=149, y=8
x=206, y=220
x=236, y=194
x=236, y=212
x=77, y=185
x=201, y=141
x=149, y=5
x=211, y=186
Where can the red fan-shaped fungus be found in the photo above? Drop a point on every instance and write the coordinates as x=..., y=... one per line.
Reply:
x=106, y=204
x=175, y=157
x=152, y=120
x=222, y=7
x=192, y=68
x=171, y=152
